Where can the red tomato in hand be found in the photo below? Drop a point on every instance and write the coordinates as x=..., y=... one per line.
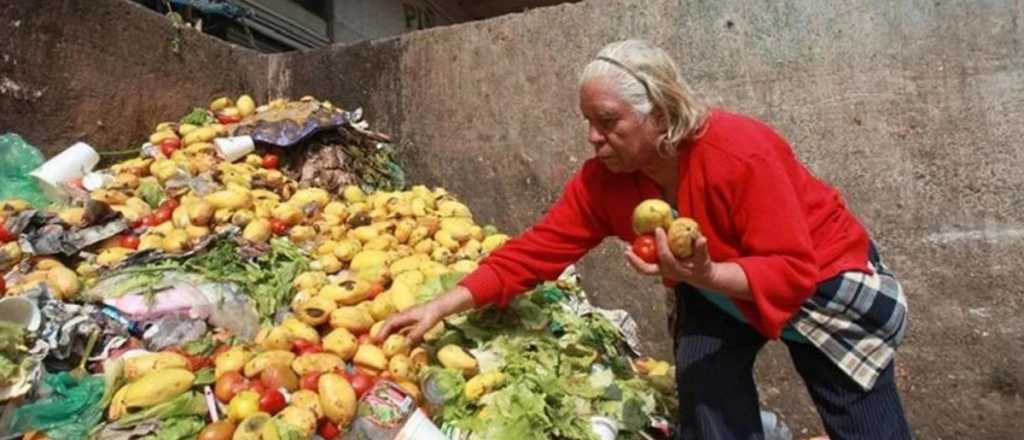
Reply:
x=328, y=430
x=272, y=401
x=270, y=161
x=279, y=227
x=5, y=235
x=309, y=381
x=361, y=383
x=646, y=248
x=128, y=241
x=169, y=146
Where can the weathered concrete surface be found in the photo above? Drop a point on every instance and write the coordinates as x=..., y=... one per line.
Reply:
x=913, y=109
x=107, y=71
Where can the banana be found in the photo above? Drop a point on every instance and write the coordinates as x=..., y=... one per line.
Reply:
x=455, y=358
x=157, y=387
x=137, y=366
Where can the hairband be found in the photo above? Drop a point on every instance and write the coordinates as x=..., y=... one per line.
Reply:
x=628, y=70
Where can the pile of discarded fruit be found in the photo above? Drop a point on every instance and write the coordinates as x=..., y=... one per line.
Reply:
x=186, y=293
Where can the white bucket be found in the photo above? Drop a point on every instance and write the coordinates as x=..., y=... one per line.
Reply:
x=605, y=428
x=20, y=310
x=234, y=148
x=71, y=163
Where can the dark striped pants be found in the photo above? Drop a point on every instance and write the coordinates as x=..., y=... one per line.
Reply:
x=718, y=399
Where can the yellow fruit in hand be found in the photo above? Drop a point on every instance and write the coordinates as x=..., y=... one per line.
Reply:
x=681, y=235
x=650, y=215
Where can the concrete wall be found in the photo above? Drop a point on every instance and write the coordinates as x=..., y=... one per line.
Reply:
x=108, y=71
x=358, y=20
x=913, y=109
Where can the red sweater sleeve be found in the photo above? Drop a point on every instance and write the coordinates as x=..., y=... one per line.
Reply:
x=776, y=243
x=571, y=227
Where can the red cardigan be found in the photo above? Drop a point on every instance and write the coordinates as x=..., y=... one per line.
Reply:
x=755, y=202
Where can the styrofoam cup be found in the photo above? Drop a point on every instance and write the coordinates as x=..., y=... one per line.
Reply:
x=234, y=148
x=605, y=428
x=71, y=163
x=20, y=310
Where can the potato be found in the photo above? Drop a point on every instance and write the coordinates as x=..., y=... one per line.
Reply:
x=370, y=356
x=396, y=344
x=651, y=214
x=257, y=230
x=309, y=400
x=287, y=213
x=337, y=398
x=400, y=367
x=65, y=282
x=245, y=105
x=200, y=213
x=258, y=363
x=315, y=311
x=175, y=242
x=317, y=363
x=230, y=199
x=299, y=330
x=298, y=417
x=341, y=342
x=348, y=292
x=353, y=319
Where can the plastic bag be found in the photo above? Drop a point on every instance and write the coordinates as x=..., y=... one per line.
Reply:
x=70, y=412
x=19, y=159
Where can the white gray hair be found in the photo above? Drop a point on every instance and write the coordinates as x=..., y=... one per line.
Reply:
x=647, y=78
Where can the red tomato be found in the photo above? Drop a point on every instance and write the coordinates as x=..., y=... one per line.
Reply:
x=328, y=430
x=272, y=401
x=170, y=204
x=309, y=381
x=5, y=235
x=279, y=227
x=226, y=119
x=270, y=161
x=149, y=220
x=302, y=346
x=646, y=248
x=161, y=215
x=128, y=241
x=136, y=224
x=169, y=146
x=361, y=383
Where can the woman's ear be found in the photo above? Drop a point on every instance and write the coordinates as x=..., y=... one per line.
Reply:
x=659, y=121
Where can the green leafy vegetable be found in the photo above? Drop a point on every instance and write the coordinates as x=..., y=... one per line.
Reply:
x=198, y=116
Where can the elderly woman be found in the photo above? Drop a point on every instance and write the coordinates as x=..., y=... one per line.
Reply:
x=781, y=256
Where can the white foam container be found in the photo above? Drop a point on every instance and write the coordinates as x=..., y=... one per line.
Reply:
x=74, y=162
x=605, y=428
x=234, y=148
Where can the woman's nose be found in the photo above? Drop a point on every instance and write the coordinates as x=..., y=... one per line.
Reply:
x=594, y=136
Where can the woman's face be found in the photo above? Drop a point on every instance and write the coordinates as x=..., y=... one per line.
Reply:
x=623, y=140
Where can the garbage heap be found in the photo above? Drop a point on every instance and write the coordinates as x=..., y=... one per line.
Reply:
x=224, y=280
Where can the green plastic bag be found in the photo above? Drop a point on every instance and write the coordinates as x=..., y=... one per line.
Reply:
x=71, y=412
x=19, y=159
